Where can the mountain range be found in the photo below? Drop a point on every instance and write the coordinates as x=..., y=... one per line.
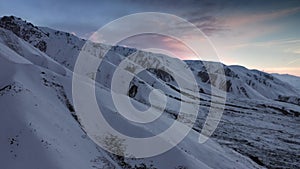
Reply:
x=41, y=128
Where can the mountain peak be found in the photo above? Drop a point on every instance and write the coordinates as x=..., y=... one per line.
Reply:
x=11, y=17
x=24, y=30
x=13, y=22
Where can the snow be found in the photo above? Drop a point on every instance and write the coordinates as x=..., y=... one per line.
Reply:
x=290, y=79
x=40, y=128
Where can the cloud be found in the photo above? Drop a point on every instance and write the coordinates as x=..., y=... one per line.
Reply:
x=248, y=18
x=267, y=43
x=294, y=62
x=160, y=43
x=296, y=51
x=210, y=25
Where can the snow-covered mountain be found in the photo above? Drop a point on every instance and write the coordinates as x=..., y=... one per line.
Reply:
x=292, y=80
x=40, y=127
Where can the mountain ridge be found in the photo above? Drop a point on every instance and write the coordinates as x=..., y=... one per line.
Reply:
x=41, y=85
x=72, y=46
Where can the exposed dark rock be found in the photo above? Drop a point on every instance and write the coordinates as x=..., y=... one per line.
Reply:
x=132, y=91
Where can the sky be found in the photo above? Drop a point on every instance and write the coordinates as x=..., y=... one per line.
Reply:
x=257, y=34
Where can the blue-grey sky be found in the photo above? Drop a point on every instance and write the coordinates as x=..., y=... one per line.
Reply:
x=258, y=34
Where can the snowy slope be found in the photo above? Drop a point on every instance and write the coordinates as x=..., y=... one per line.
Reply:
x=259, y=128
x=292, y=80
x=61, y=46
x=245, y=83
x=42, y=131
x=64, y=48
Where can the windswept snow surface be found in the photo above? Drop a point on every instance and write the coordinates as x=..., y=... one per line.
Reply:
x=40, y=128
x=290, y=79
